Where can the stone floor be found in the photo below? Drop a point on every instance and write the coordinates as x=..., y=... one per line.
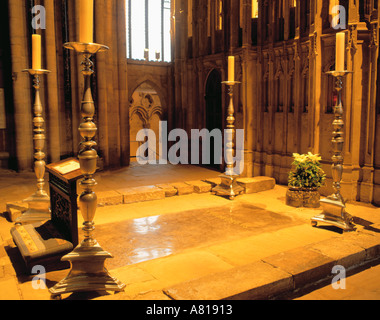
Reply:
x=200, y=246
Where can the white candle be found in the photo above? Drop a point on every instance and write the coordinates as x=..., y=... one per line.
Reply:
x=231, y=69
x=86, y=21
x=340, y=50
x=36, y=52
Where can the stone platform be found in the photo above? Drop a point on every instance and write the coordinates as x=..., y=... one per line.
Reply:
x=201, y=246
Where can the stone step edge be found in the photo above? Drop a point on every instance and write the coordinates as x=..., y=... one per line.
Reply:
x=161, y=191
x=273, y=277
x=157, y=192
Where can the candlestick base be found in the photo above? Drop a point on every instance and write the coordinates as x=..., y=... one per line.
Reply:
x=228, y=187
x=88, y=272
x=334, y=213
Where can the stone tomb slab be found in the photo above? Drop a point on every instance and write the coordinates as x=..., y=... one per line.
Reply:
x=137, y=240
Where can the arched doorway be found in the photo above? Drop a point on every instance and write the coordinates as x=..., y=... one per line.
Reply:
x=214, y=112
x=145, y=112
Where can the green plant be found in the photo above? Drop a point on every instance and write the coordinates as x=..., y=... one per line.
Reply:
x=306, y=172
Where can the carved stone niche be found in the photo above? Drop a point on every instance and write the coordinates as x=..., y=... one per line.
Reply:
x=145, y=112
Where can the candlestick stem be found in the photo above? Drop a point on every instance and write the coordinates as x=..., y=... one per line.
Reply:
x=88, y=272
x=229, y=186
x=334, y=212
x=39, y=202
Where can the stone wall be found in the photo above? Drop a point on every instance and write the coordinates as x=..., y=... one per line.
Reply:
x=285, y=100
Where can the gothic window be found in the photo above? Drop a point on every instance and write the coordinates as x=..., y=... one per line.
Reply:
x=3, y=122
x=266, y=95
x=305, y=16
x=189, y=18
x=306, y=92
x=279, y=20
x=209, y=18
x=266, y=21
x=292, y=92
x=255, y=9
x=292, y=20
x=148, y=29
x=219, y=15
x=280, y=92
x=331, y=95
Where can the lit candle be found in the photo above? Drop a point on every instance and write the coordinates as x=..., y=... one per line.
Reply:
x=231, y=69
x=36, y=52
x=340, y=51
x=86, y=21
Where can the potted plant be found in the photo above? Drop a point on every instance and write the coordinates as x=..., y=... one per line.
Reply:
x=304, y=180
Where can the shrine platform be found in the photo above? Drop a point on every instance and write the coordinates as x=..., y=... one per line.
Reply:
x=200, y=246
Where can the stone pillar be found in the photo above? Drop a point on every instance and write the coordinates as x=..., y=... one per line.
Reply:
x=233, y=18
x=102, y=82
x=76, y=77
x=366, y=177
x=316, y=73
x=21, y=83
x=51, y=83
x=247, y=22
x=123, y=86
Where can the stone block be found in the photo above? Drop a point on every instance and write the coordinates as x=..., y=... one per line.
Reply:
x=183, y=188
x=306, y=265
x=344, y=253
x=139, y=194
x=109, y=198
x=213, y=181
x=369, y=242
x=256, y=184
x=199, y=186
x=254, y=281
x=15, y=210
x=170, y=191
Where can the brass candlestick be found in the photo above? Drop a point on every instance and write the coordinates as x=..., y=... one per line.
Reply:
x=88, y=272
x=334, y=212
x=39, y=202
x=229, y=186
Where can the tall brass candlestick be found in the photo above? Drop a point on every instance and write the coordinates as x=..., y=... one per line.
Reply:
x=334, y=212
x=88, y=272
x=39, y=202
x=229, y=186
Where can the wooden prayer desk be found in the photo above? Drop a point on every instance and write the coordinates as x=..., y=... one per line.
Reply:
x=63, y=177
